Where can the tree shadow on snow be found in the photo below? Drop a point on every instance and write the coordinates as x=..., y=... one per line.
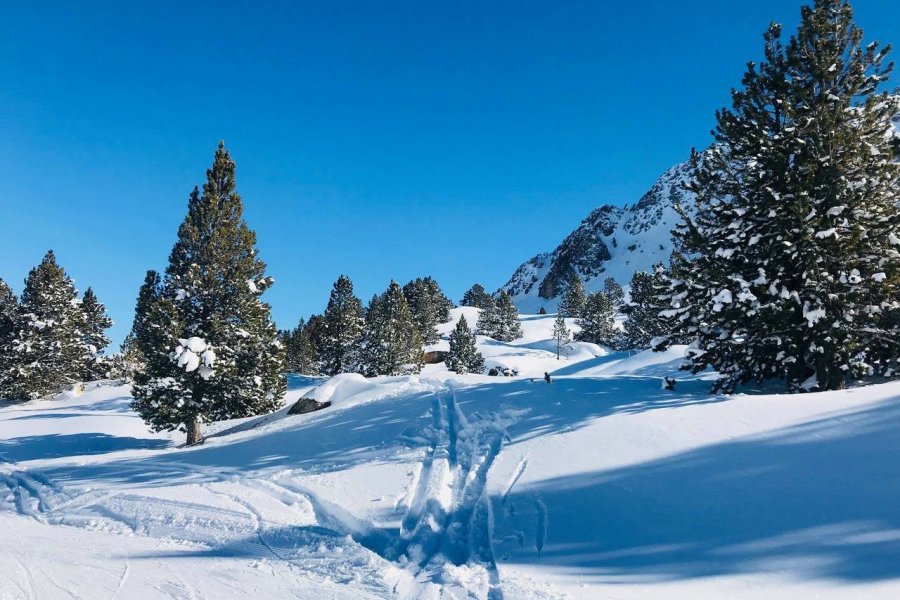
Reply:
x=818, y=500
x=56, y=445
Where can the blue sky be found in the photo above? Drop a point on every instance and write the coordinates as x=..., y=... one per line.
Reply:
x=377, y=139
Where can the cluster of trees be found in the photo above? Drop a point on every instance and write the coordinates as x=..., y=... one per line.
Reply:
x=50, y=338
x=794, y=249
x=595, y=313
x=384, y=338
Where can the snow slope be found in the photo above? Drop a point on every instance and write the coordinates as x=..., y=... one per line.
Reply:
x=598, y=485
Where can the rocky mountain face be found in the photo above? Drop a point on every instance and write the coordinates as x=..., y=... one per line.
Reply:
x=612, y=241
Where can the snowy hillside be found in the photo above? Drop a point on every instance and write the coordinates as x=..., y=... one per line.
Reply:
x=611, y=242
x=597, y=485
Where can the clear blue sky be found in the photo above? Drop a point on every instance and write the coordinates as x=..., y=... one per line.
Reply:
x=377, y=139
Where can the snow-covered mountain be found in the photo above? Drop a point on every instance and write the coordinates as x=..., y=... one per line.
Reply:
x=612, y=241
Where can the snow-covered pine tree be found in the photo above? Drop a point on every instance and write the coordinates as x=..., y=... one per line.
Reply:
x=392, y=344
x=597, y=321
x=342, y=329
x=463, y=356
x=508, y=327
x=574, y=299
x=96, y=322
x=9, y=317
x=476, y=296
x=430, y=306
x=615, y=292
x=561, y=334
x=794, y=248
x=47, y=350
x=210, y=346
x=644, y=323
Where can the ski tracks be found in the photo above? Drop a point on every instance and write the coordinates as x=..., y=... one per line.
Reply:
x=446, y=532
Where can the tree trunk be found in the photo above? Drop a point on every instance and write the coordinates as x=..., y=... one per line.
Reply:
x=194, y=436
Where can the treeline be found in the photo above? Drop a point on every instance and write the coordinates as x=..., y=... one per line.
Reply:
x=51, y=338
x=384, y=338
x=388, y=336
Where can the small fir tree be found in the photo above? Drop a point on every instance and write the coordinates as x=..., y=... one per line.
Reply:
x=463, y=356
x=561, y=334
x=342, y=329
x=644, y=323
x=210, y=348
x=301, y=351
x=574, y=299
x=598, y=321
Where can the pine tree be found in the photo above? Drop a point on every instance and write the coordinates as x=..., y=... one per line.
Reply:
x=615, y=292
x=210, y=346
x=574, y=300
x=794, y=247
x=429, y=306
x=9, y=320
x=561, y=334
x=96, y=322
x=463, y=356
x=47, y=350
x=476, y=296
x=392, y=343
x=500, y=320
x=302, y=356
x=644, y=323
x=597, y=322
x=342, y=329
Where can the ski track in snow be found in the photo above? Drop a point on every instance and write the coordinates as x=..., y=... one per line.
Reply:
x=448, y=518
x=446, y=525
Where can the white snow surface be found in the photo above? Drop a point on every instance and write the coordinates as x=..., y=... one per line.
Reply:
x=438, y=487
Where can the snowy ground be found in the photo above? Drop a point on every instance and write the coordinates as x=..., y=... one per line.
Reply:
x=599, y=485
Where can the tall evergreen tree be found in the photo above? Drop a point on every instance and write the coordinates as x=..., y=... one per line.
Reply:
x=574, y=299
x=47, y=348
x=597, y=322
x=463, y=356
x=615, y=292
x=392, y=343
x=210, y=346
x=429, y=306
x=561, y=334
x=476, y=296
x=96, y=322
x=342, y=329
x=500, y=320
x=9, y=319
x=794, y=247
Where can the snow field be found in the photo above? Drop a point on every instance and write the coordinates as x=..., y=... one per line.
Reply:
x=600, y=484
